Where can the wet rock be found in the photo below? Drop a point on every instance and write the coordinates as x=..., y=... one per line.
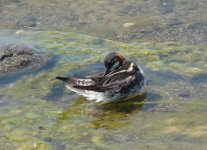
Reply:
x=17, y=60
x=15, y=57
x=166, y=6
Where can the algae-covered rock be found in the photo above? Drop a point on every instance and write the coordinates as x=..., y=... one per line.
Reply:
x=15, y=57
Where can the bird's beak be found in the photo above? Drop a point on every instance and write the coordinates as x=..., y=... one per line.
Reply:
x=106, y=72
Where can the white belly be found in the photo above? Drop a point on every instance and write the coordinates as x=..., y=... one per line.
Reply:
x=90, y=95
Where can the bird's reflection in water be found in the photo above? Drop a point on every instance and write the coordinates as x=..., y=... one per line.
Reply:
x=109, y=115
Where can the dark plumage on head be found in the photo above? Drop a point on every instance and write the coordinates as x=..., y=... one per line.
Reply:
x=112, y=62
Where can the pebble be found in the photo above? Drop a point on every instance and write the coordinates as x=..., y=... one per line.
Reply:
x=128, y=24
x=19, y=32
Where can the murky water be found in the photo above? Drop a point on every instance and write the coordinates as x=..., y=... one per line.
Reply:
x=38, y=112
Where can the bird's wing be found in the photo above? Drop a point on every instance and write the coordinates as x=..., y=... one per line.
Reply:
x=114, y=82
x=77, y=81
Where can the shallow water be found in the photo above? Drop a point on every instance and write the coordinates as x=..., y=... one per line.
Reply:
x=38, y=112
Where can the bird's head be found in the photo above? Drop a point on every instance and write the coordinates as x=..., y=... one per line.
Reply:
x=112, y=62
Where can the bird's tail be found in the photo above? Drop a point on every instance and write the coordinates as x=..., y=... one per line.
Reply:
x=63, y=78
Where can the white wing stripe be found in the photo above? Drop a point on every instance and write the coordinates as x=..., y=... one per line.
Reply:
x=85, y=82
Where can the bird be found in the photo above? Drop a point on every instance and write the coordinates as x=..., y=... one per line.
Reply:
x=121, y=80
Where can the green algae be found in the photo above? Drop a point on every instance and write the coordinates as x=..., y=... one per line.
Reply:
x=180, y=58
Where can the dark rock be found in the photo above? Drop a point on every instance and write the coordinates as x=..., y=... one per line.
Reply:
x=14, y=57
x=166, y=6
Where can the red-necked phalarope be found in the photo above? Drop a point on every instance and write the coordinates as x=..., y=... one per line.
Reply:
x=122, y=79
